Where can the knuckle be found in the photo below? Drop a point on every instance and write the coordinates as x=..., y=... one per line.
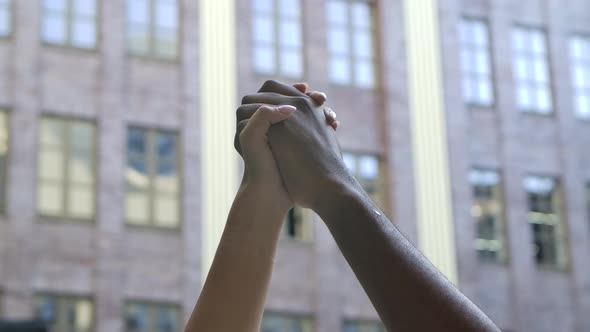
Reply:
x=269, y=84
x=302, y=101
x=247, y=99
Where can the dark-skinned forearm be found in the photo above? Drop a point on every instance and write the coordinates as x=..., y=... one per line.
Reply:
x=408, y=292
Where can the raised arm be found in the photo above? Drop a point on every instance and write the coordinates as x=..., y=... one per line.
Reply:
x=409, y=293
x=235, y=290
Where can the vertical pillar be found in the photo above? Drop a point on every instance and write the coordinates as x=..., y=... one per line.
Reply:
x=429, y=137
x=218, y=84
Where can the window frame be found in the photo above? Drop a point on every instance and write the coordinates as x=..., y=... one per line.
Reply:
x=151, y=162
x=5, y=112
x=10, y=10
x=69, y=21
x=532, y=56
x=379, y=196
x=64, y=217
x=151, y=54
x=574, y=63
x=62, y=298
x=290, y=316
x=500, y=220
x=351, y=58
x=362, y=324
x=276, y=44
x=305, y=220
x=559, y=231
x=489, y=49
x=151, y=306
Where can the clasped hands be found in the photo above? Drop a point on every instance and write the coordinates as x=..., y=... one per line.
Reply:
x=287, y=140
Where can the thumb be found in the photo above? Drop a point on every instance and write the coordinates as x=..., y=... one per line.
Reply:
x=261, y=121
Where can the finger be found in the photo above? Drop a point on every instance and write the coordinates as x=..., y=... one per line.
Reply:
x=255, y=130
x=239, y=128
x=330, y=115
x=280, y=88
x=246, y=111
x=269, y=98
x=319, y=97
x=335, y=125
x=302, y=87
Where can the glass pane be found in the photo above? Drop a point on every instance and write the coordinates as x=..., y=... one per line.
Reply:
x=166, y=45
x=369, y=167
x=166, y=14
x=166, y=145
x=467, y=59
x=136, y=174
x=5, y=21
x=485, y=92
x=84, y=7
x=540, y=70
x=55, y=5
x=340, y=70
x=482, y=62
x=82, y=135
x=81, y=167
x=291, y=64
x=52, y=132
x=264, y=59
x=583, y=105
x=523, y=95
x=166, y=211
x=338, y=41
x=364, y=73
x=336, y=12
x=81, y=202
x=538, y=42
x=46, y=309
x=138, y=39
x=480, y=34
x=166, y=319
x=519, y=40
x=167, y=178
x=50, y=199
x=521, y=68
x=54, y=29
x=51, y=164
x=263, y=29
x=581, y=76
x=136, y=318
x=271, y=323
x=138, y=11
x=84, y=33
x=290, y=34
x=289, y=8
x=363, y=46
x=465, y=31
x=83, y=320
x=469, y=90
x=137, y=207
x=263, y=5
x=361, y=14
x=544, y=99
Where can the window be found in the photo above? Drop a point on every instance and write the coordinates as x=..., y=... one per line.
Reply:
x=545, y=201
x=350, y=43
x=152, y=28
x=531, y=71
x=363, y=326
x=69, y=23
x=476, y=63
x=152, y=178
x=580, y=59
x=366, y=170
x=65, y=313
x=278, y=44
x=152, y=317
x=5, y=18
x=487, y=212
x=274, y=322
x=299, y=224
x=3, y=157
x=66, y=172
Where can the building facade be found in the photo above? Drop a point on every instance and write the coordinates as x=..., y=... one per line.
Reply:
x=467, y=122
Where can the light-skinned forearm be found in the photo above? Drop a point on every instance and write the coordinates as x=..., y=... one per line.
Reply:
x=408, y=292
x=235, y=290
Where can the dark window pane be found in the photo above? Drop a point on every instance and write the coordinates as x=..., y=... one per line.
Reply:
x=136, y=142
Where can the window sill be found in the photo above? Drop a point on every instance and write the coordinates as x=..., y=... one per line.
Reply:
x=65, y=220
x=153, y=58
x=70, y=48
x=154, y=228
x=536, y=113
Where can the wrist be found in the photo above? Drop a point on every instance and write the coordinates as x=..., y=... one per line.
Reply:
x=273, y=195
x=336, y=193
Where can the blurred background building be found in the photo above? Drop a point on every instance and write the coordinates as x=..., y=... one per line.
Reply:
x=467, y=121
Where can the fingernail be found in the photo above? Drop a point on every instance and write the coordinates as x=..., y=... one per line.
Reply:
x=323, y=95
x=332, y=114
x=287, y=109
